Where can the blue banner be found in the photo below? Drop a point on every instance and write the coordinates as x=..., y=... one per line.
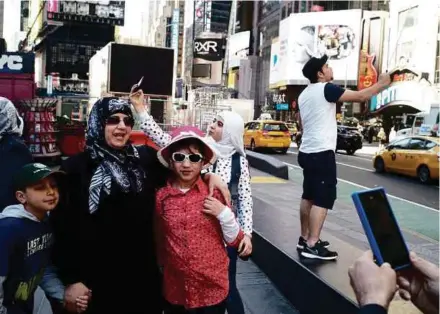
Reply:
x=282, y=106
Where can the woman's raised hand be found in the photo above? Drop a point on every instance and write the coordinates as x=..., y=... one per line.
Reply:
x=137, y=99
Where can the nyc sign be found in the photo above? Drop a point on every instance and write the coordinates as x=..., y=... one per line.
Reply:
x=14, y=62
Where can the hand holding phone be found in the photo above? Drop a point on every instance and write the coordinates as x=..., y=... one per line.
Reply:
x=381, y=228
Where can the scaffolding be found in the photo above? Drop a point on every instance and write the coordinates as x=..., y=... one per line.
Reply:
x=205, y=103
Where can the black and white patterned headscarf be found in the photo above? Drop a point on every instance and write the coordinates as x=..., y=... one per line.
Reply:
x=118, y=167
x=10, y=121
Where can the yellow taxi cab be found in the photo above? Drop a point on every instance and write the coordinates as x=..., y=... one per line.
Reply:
x=267, y=134
x=416, y=156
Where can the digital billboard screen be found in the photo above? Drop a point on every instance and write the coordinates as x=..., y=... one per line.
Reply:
x=129, y=63
x=97, y=12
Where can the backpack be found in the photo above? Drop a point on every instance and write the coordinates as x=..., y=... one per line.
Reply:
x=235, y=176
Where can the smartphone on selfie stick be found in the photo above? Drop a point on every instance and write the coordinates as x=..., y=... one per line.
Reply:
x=137, y=86
x=381, y=228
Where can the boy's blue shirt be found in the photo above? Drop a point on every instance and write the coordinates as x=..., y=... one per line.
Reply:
x=25, y=253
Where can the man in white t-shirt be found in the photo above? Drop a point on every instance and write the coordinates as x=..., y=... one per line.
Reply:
x=317, y=108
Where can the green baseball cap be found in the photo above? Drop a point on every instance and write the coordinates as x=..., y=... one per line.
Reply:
x=31, y=174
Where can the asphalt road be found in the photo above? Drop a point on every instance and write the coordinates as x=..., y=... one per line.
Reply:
x=359, y=171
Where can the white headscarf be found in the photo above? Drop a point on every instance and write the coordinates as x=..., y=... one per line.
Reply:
x=232, y=137
x=10, y=121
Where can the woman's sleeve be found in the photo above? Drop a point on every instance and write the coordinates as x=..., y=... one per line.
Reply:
x=153, y=131
x=245, y=208
x=70, y=228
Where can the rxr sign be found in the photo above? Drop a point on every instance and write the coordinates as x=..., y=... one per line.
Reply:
x=205, y=47
x=11, y=62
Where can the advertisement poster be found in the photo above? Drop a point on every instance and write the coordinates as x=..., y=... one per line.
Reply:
x=370, y=62
x=274, y=75
x=238, y=48
x=332, y=33
x=407, y=41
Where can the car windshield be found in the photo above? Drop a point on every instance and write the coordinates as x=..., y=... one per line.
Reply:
x=275, y=127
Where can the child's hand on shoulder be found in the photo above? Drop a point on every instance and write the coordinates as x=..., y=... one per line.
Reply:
x=213, y=206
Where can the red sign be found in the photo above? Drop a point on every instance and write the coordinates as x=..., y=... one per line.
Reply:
x=316, y=8
x=404, y=77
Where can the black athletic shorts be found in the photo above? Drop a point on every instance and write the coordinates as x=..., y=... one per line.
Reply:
x=319, y=171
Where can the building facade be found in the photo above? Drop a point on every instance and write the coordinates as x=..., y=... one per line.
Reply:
x=413, y=48
x=14, y=22
x=201, y=16
x=64, y=36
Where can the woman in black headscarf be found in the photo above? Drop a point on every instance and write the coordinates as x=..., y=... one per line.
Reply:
x=104, y=224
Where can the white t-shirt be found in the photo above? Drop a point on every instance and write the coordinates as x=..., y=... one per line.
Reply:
x=317, y=107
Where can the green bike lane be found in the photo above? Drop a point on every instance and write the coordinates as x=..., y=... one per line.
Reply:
x=413, y=218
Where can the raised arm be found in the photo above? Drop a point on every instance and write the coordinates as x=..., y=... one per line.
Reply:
x=365, y=94
x=245, y=208
x=147, y=123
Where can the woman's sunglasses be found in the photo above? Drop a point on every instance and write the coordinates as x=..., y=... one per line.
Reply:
x=115, y=120
x=181, y=157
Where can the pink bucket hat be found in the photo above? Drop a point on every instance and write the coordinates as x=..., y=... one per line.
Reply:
x=183, y=133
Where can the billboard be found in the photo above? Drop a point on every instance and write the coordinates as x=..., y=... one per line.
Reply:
x=371, y=52
x=96, y=12
x=274, y=75
x=129, y=63
x=371, y=48
x=212, y=49
x=209, y=52
x=238, y=48
x=175, y=29
x=334, y=33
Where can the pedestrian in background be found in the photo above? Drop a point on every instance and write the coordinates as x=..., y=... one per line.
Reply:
x=14, y=153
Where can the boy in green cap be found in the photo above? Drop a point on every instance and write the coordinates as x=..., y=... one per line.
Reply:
x=26, y=241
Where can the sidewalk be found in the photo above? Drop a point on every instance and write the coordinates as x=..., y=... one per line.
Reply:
x=276, y=216
x=420, y=226
x=258, y=293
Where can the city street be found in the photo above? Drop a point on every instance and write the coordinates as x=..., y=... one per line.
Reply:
x=358, y=172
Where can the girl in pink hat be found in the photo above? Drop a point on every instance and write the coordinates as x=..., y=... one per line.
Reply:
x=193, y=227
x=225, y=135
